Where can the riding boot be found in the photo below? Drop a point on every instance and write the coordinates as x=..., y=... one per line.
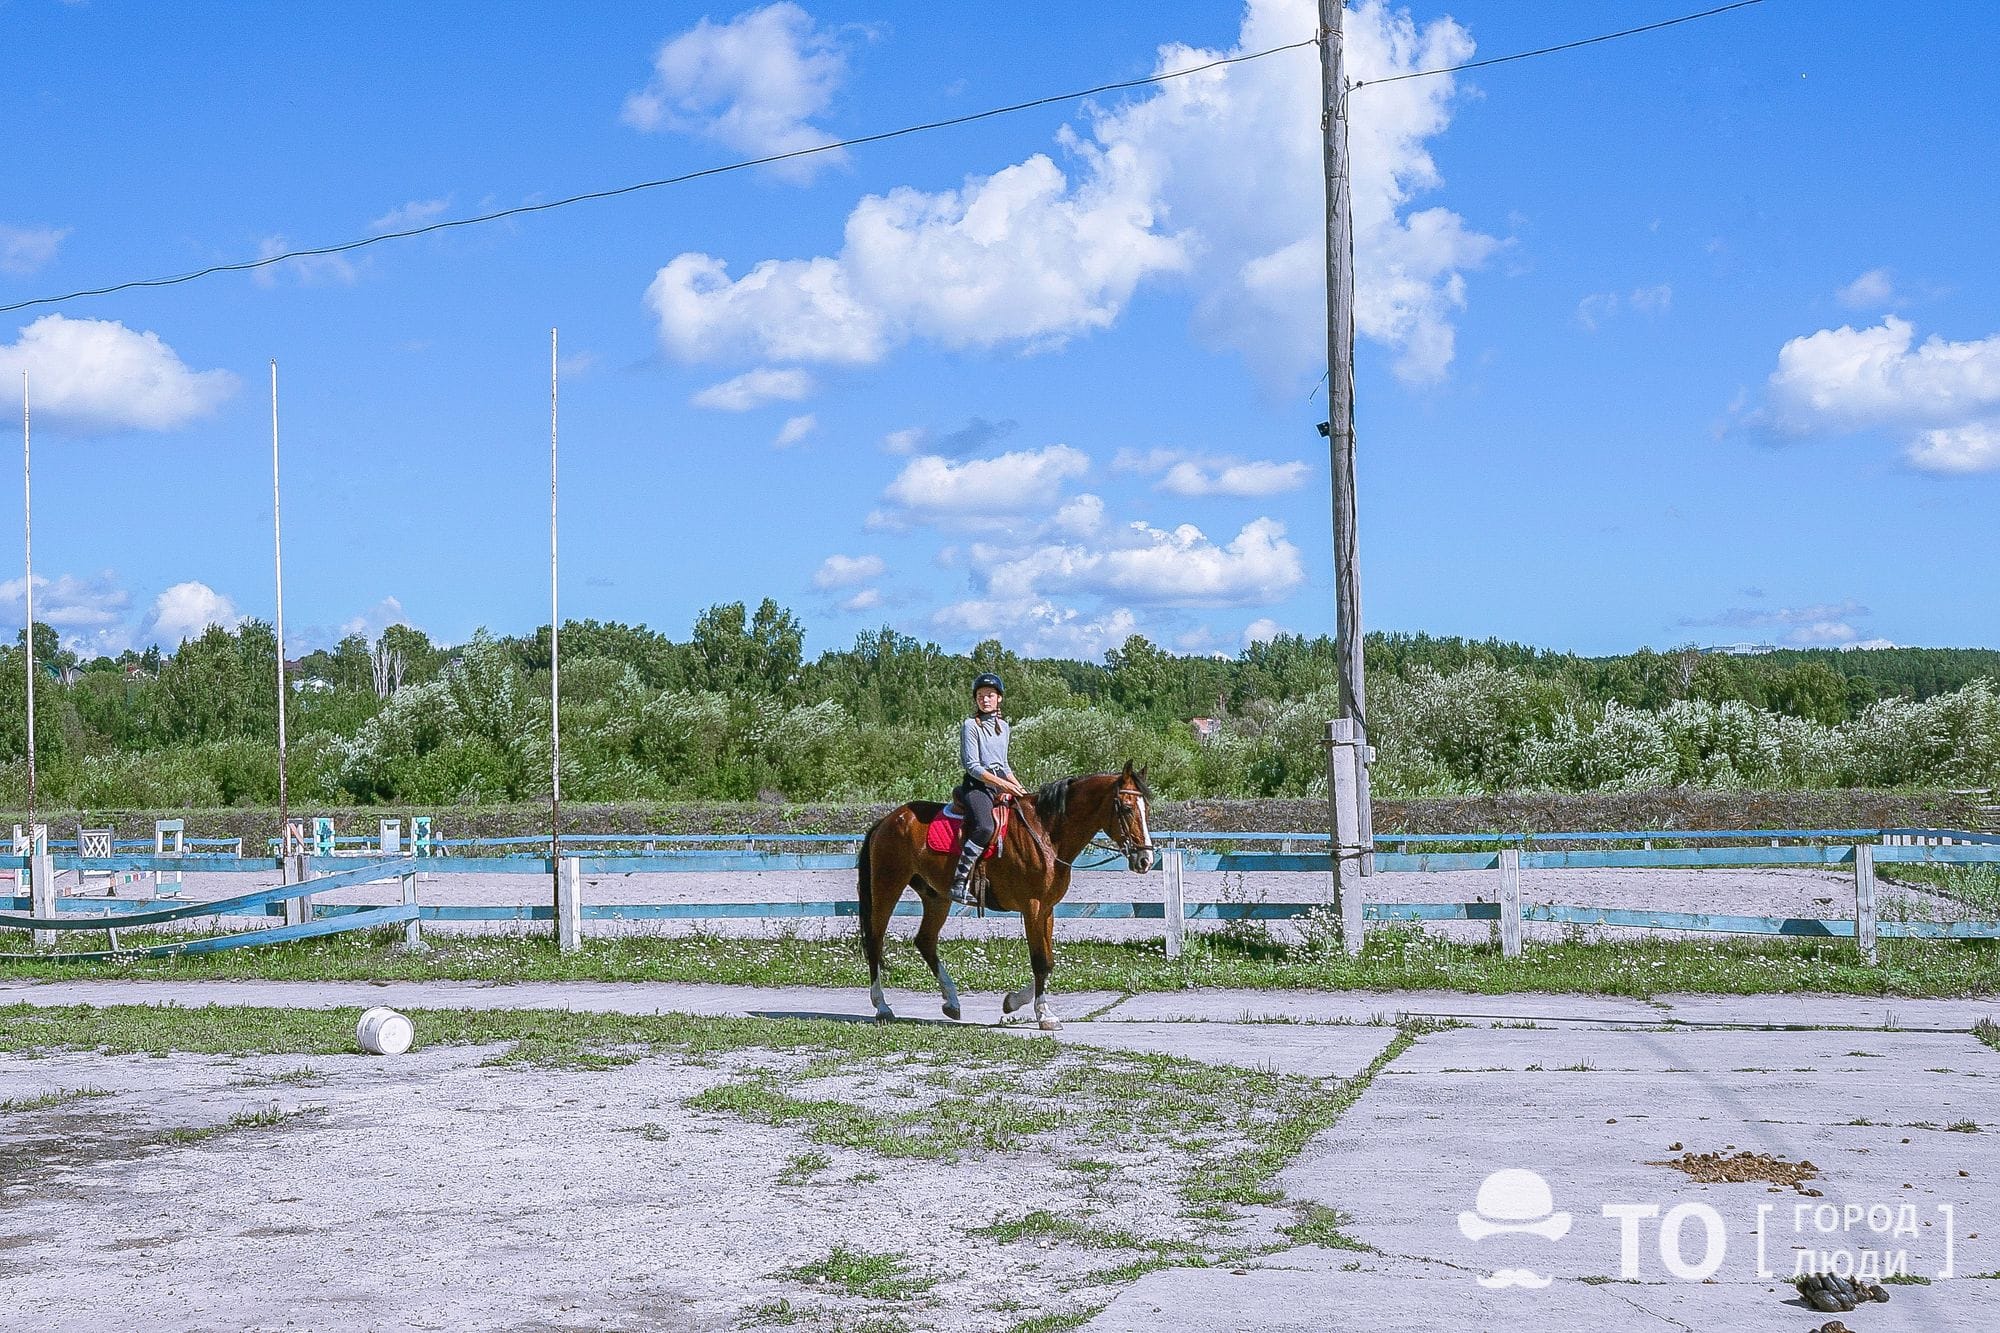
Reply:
x=961, y=875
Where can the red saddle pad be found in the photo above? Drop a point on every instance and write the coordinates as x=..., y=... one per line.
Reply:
x=946, y=833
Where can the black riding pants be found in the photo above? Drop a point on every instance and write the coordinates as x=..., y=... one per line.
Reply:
x=977, y=798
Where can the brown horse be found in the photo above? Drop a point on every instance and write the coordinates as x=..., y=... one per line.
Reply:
x=1030, y=876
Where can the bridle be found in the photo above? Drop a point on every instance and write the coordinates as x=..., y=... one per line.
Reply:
x=1122, y=847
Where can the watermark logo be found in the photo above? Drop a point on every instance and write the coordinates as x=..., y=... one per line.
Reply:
x=1514, y=1202
x=1865, y=1242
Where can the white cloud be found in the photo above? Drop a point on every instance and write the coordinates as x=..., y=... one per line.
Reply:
x=1593, y=310
x=794, y=430
x=416, y=213
x=1080, y=516
x=863, y=600
x=1973, y=447
x=1944, y=396
x=1237, y=152
x=68, y=602
x=1865, y=644
x=371, y=623
x=755, y=388
x=1225, y=164
x=1040, y=628
x=1150, y=566
x=306, y=270
x=1825, y=623
x=184, y=611
x=1651, y=300
x=906, y=441
x=25, y=250
x=1261, y=630
x=752, y=84
x=1873, y=290
x=1013, y=483
x=1821, y=632
x=1222, y=477
x=842, y=571
x=98, y=375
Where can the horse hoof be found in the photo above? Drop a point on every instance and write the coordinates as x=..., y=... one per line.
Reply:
x=951, y=1012
x=1051, y=1025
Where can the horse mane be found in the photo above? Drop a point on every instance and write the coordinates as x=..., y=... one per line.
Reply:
x=1052, y=800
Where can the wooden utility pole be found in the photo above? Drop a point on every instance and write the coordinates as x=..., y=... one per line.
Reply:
x=28, y=589
x=278, y=628
x=1352, y=845
x=555, y=678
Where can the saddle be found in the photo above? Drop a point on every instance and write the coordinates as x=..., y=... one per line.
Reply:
x=946, y=833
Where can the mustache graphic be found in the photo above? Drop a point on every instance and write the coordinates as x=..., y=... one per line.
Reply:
x=1514, y=1277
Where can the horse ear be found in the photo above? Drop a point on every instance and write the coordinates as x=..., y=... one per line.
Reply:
x=1128, y=768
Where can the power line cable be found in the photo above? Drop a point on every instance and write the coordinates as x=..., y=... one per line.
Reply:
x=245, y=266
x=1551, y=50
x=266, y=261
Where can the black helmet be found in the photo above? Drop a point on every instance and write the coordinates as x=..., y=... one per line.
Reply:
x=984, y=679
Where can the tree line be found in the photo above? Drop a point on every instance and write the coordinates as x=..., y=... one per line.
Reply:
x=736, y=711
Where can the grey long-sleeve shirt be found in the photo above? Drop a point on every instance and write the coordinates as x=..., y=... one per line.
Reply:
x=982, y=747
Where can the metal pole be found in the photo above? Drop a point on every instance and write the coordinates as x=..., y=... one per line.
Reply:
x=28, y=589
x=1348, y=640
x=278, y=564
x=555, y=672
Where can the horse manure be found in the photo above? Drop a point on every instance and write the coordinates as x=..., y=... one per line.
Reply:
x=1713, y=1168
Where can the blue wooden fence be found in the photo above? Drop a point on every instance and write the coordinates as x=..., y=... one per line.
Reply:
x=1811, y=847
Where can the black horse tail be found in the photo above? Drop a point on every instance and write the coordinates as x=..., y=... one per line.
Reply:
x=865, y=886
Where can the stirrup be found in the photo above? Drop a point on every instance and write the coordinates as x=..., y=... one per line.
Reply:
x=963, y=893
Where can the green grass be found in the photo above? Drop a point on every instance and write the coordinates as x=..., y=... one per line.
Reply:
x=1056, y=1323
x=264, y=1119
x=880, y=1277
x=1987, y=1031
x=802, y=1168
x=1044, y=1225
x=48, y=1099
x=1975, y=884
x=1320, y=1225
x=1395, y=959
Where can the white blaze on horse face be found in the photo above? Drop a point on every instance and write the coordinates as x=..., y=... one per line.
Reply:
x=1145, y=838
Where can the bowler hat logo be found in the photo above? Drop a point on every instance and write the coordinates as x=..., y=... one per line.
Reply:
x=1514, y=1202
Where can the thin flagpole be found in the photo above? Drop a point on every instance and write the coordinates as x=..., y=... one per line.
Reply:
x=555, y=666
x=278, y=566
x=28, y=589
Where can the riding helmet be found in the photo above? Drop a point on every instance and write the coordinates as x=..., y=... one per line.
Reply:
x=987, y=678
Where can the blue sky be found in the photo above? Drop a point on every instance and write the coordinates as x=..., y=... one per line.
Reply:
x=1690, y=337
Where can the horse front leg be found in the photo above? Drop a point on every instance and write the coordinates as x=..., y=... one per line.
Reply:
x=937, y=909
x=1038, y=921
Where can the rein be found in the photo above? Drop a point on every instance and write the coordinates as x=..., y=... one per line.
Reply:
x=1116, y=851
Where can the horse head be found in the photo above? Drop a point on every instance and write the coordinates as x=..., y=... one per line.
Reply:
x=1127, y=822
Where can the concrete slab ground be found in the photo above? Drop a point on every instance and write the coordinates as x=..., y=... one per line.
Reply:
x=586, y=996
x=1897, y=1125
x=1295, y=1006
x=1414, y=1298
x=1105, y=1007
x=1283, y=1048
x=1898, y=1122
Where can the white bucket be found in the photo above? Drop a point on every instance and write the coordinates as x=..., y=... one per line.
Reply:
x=384, y=1032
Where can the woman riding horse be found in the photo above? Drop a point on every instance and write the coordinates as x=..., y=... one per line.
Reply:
x=982, y=751
x=1030, y=876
